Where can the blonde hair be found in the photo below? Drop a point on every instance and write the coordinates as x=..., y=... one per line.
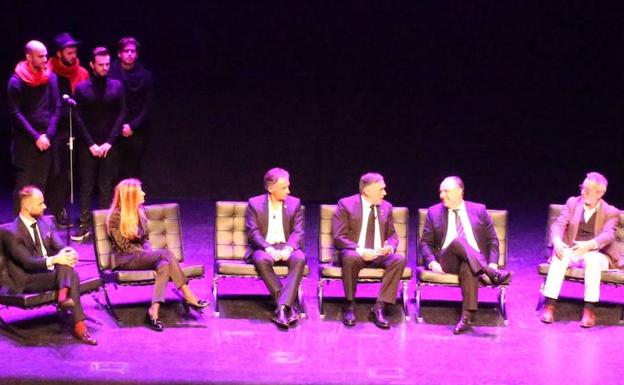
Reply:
x=126, y=200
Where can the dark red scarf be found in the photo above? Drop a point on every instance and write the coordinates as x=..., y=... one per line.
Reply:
x=75, y=73
x=24, y=71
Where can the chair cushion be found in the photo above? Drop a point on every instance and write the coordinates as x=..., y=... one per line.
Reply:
x=242, y=268
x=610, y=276
x=329, y=270
x=427, y=276
x=29, y=300
x=130, y=276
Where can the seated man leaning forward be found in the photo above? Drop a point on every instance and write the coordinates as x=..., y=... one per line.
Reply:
x=364, y=235
x=583, y=236
x=274, y=224
x=37, y=260
x=459, y=238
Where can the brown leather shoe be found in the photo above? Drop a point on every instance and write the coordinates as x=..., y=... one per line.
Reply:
x=589, y=318
x=548, y=314
x=85, y=338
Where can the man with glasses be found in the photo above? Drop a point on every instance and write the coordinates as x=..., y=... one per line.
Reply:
x=583, y=236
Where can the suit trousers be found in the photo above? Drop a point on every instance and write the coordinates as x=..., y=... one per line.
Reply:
x=57, y=191
x=352, y=263
x=461, y=259
x=92, y=170
x=32, y=167
x=282, y=294
x=593, y=262
x=166, y=266
x=130, y=155
x=62, y=276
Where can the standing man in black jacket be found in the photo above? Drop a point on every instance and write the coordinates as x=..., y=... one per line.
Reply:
x=138, y=85
x=66, y=66
x=34, y=107
x=100, y=115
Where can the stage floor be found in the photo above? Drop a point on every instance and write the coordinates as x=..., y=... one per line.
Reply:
x=243, y=346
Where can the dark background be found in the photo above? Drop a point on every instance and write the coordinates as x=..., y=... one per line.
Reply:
x=521, y=99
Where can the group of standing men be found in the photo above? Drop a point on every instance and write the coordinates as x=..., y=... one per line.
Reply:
x=108, y=110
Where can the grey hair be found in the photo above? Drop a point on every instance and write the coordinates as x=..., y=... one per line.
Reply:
x=370, y=178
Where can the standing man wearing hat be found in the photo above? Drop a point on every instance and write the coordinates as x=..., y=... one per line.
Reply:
x=66, y=65
x=34, y=108
x=138, y=85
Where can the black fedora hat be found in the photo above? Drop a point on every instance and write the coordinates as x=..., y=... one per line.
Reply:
x=63, y=40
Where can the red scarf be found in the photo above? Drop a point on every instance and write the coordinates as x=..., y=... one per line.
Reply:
x=75, y=73
x=30, y=77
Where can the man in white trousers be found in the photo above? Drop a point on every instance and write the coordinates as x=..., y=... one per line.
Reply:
x=583, y=236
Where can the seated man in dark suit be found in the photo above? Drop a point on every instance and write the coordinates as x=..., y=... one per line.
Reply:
x=364, y=235
x=459, y=238
x=274, y=224
x=36, y=260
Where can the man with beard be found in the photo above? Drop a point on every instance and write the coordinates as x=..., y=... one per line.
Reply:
x=34, y=107
x=36, y=260
x=66, y=66
x=138, y=85
x=100, y=113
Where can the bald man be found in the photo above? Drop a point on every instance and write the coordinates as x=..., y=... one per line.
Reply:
x=37, y=260
x=34, y=107
x=459, y=238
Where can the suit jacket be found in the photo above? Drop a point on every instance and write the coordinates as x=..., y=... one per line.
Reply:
x=124, y=249
x=436, y=225
x=49, y=237
x=607, y=218
x=20, y=255
x=347, y=223
x=257, y=223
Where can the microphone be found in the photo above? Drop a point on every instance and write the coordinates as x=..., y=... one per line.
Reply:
x=67, y=99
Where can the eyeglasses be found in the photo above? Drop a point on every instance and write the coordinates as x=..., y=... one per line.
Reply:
x=589, y=190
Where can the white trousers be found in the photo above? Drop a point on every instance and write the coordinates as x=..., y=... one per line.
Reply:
x=593, y=262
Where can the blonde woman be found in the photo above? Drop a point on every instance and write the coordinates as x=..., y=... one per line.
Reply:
x=126, y=225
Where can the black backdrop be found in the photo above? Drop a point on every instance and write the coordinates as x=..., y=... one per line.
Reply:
x=518, y=98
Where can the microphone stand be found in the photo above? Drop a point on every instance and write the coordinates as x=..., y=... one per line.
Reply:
x=70, y=144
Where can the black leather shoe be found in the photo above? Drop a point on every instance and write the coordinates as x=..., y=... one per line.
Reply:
x=376, y=315
x=62, y=222
x=498, y=277
x=279, y=317
x=85, y=338
x=154, y=324
x=348, y=314
x=463, y=325
x=294, y=316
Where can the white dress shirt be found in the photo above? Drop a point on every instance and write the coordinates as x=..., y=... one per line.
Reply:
x=28, y=223
x=366, y=208
x=451, y=231
x=275, y=231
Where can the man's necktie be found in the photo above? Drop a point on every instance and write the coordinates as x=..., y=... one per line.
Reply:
x=459, y=228
x=38, y=243
x=369, y=243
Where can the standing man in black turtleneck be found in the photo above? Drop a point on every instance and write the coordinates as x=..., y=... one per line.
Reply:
x=138, y=85
x=100, y=115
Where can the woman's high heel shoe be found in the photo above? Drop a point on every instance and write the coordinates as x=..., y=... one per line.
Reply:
x=154, y=324
x=199, y=306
